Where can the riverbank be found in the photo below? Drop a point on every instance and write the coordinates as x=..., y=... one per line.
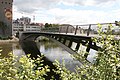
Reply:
x=13, y=40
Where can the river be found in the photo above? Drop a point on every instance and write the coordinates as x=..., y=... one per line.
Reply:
x=50, y=49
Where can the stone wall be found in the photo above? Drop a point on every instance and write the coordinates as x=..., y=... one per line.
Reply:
x=6, y=16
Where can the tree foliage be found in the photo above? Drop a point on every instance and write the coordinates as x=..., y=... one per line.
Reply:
x=23, y=69
x=105, y=67
x=46, y=25
x=51, y=25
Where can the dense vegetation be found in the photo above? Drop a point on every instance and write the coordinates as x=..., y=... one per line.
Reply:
x=105, y=67
x=51, y=27
x=25, y=68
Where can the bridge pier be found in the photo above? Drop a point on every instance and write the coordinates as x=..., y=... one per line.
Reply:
x=64, y=41
x=88, y=46
x=70, y=44
x=59, y=39
x=77, y=46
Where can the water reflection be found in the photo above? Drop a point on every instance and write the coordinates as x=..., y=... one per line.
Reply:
x=5, y=49
x=50, y=49
x=11, y=48
x=30, y=47
x=53, y=52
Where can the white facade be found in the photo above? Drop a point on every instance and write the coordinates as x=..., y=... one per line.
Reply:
x=24, y=24
x=25, y=28
x=34, y=28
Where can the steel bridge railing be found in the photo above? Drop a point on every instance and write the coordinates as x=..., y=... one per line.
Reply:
x=84, y=30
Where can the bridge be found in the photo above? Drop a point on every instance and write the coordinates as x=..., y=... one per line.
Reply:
x=64, y=40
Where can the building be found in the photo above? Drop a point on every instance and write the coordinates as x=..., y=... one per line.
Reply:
x=25, y=20
x=6, y=17
x=24, y=24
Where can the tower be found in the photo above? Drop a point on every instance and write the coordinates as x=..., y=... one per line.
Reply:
x=6, y=17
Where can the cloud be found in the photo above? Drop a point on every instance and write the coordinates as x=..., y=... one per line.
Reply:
x=103, y=1
x=48, y=11
x=78, y=16
x=86, y=2
x=30, y=6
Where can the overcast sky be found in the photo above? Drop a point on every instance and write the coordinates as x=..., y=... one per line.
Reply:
x=68, y=11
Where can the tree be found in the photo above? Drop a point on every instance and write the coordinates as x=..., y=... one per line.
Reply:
x=50, y=25
x=46, y=25
x=55, y=25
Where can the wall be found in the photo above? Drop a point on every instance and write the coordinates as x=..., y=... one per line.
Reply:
x=6, y=16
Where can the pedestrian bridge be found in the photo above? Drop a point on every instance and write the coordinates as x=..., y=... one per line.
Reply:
x=64, y=40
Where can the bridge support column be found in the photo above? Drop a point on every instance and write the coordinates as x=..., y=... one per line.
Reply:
x=88, y=32
x=88, y=49
x=60, y=39
x=67, y=29
x=70, y=44
x=64, y=41
x=52, y=36
x=77, y=47
x=76, y=29
x=56, y=37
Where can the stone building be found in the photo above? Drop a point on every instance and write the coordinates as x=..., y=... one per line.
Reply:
x=6, y=17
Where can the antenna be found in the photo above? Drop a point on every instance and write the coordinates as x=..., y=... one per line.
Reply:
x=33, y=18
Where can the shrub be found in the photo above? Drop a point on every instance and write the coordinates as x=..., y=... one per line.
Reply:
x=23, y=69
x=105, y=67
x=107, y=63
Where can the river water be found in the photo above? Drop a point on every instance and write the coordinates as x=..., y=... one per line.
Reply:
x=51, y=50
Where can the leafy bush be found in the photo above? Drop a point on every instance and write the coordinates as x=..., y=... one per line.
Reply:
x=23, y=69
x=105, y=67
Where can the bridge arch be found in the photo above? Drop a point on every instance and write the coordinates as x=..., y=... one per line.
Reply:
x=61, y=40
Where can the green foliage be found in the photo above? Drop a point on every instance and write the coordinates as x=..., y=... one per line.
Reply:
x=105, y=67
x=51, y=25
x=107, y=63
x=46, y=25
x=23, y=69
x=66, y=74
